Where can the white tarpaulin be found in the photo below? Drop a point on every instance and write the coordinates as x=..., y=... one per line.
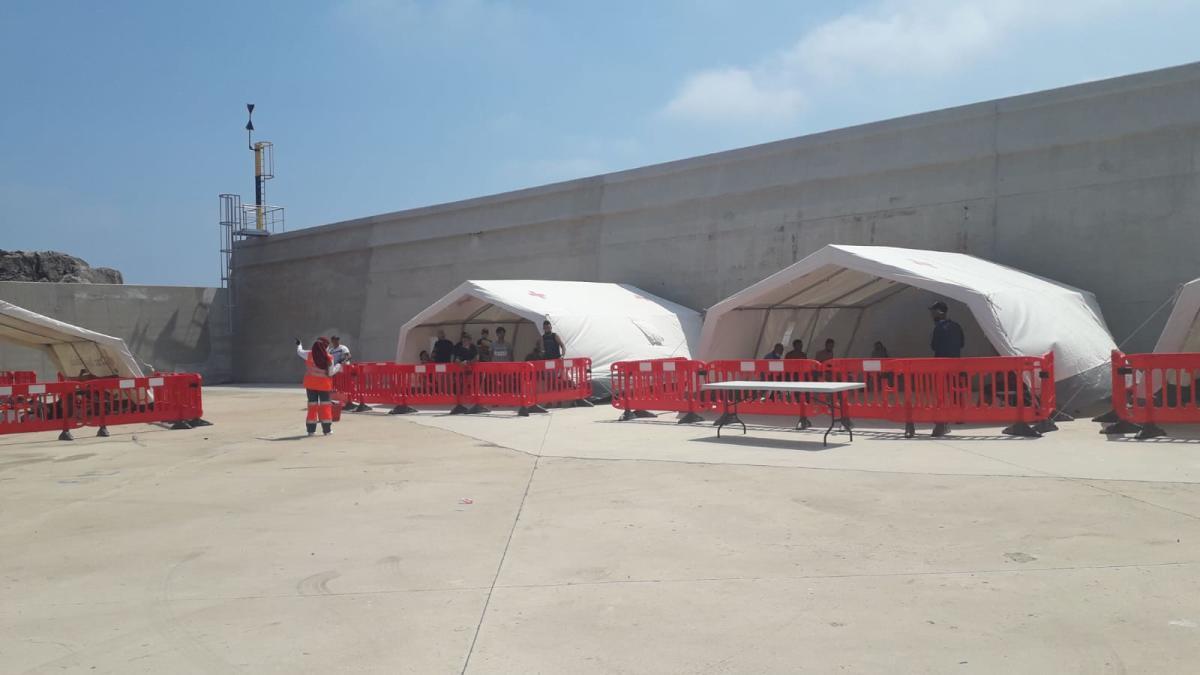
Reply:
x=72, y=348
x=861, y=294
x=1182, y=332
x=604, y=322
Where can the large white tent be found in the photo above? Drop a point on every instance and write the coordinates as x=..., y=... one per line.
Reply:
x=73, y=349
x=861, y=294
x=1182, y=331
x=603, y=321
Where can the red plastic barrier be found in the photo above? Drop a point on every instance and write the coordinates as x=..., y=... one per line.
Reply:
x=62, y=406
x=879, y=399
x=1154, y=389
x=431, y=384
x=560, y=380
x=500, y=384
x=657, y=384
x=764, y=370
x=17, y=377
x=49, y=406
x=1014, y=390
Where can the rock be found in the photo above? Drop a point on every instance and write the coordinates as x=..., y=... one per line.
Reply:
x=53, y=266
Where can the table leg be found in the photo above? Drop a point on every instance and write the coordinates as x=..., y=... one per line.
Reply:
x=832, y=419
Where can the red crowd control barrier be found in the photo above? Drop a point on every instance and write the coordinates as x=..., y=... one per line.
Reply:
x=765, y=370
x=559, y=380
x=18, y=377
x=1014, y=390
x=501, y=384
x=1154, y=389
x=62, y=406
x=49, y=406
x=658, y=384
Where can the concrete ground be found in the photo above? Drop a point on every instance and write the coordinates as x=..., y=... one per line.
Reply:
x=571, y=543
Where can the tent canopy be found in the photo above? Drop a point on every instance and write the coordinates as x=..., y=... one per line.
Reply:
x=859, y=294
x=605, y=322
x=1182, y=331
x=72, y=348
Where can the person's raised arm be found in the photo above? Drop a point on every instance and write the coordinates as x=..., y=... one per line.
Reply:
x=300, y=350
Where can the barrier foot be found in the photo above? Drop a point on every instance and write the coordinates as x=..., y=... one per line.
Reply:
x=626, y=416
x=350, y=406
x=362, y=407
x=690, y=418
x=478, y=410
x=402, y=410
x=1121, y=427
x=180, y=425
x=1021, y=429
x=459, y=409
x=198, y=422
x=1046, y=426
x=1060, y=416
x=1150, y=430
x=539, y=410
x=1109, y=417
x=600, y=400
x=584, y=403
x=643, y=414
x=522, y=412
x=102, y=432
x=910, y=430
x=66, y=436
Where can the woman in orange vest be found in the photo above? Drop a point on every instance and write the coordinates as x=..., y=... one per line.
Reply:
x=319, y=370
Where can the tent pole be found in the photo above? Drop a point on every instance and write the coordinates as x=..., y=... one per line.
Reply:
x=761, y=330
x=854, y=332
x=812, y=328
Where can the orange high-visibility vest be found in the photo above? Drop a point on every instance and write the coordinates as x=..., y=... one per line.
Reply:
x=316, y=378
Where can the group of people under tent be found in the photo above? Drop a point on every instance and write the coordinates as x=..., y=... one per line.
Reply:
x=486, y=349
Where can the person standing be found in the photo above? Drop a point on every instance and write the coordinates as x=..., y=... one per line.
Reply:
x=797, y=351
x=552, y=345
x=501, y=350
x=319, y=370
x=947, y=342
x=775, y=353
x=465, y=352
x=879, y=351
x=338, y=351
x=484, y=345
x=826, y=353
x=443, y=349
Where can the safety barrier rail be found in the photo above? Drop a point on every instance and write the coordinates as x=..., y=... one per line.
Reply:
x=174, y=398
x=658, y=384
x=1014, y=390
x=560, y=380
x=1153, y=389
x=18, y=377
x=468, y=388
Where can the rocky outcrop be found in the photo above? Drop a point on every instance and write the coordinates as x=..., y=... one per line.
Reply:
x=55, y=267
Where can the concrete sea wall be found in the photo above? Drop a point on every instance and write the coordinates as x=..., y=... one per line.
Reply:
x=175, y=328
x=1095, y=185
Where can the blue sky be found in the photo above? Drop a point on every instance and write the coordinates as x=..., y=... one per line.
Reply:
x=122, y=121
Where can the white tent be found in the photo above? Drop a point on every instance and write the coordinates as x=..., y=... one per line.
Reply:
x=602, y=321
x=861, y=294
x=72, y=348
x=1182, y=332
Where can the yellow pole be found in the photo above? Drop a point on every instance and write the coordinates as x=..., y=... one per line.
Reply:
x=258, y=172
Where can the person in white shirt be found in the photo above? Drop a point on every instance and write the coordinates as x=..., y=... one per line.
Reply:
x=339, y=352
x=501, y=350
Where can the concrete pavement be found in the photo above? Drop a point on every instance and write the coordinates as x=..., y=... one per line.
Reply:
x=572, y=543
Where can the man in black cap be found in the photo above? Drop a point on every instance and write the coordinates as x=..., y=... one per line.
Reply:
x=947, y=342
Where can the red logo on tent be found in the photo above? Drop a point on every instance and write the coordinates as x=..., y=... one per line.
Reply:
x=538, y=295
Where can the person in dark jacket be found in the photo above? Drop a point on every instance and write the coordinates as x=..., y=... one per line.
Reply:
x=552, y=344
x=466, y=352
x=443, y=349
x=947, y=342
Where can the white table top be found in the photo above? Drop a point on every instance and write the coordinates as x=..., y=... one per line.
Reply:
x=808, y=387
